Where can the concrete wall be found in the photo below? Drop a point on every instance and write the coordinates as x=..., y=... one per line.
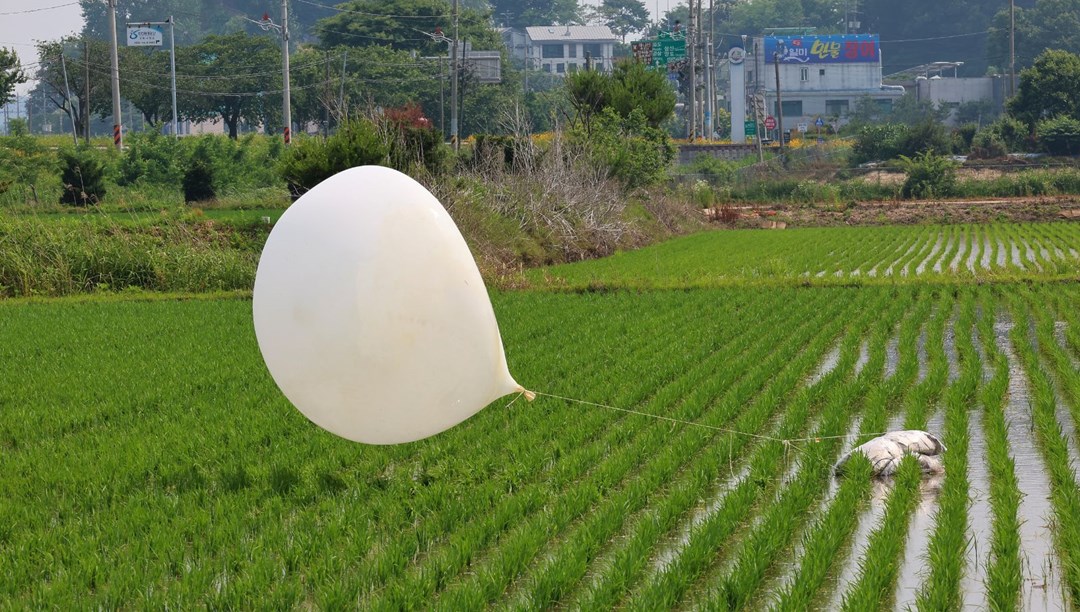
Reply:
x=730, y=152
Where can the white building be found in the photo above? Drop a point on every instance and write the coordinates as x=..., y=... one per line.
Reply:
x=935, y=84
x=820, y=76
x=566, y=48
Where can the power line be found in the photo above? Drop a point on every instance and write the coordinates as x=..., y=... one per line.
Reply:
x=37, y=10
x=356, y=12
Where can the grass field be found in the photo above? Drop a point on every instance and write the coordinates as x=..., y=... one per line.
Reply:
x=147, y=459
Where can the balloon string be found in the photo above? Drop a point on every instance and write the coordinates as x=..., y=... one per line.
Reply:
x=692, y=423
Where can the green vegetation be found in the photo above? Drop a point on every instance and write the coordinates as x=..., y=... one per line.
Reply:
x=177, y=475
x=824, y=256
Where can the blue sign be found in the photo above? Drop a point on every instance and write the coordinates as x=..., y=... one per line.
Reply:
x=831, y=49
x=819, y=122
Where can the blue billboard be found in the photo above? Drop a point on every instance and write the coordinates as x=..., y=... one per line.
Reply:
x=830, y=49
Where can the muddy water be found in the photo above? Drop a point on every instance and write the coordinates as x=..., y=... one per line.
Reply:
x=1031, y=255
x=1059, y=335
x=864, y=356
x=960, y=251
x=945, y=251
x=1015, y=252
x=987, y=252
x=790, y=564
x=889, y=270
x=1002, y=253
x=924, y=361
x=915, y=566
x=868, y=520
x=974, y=255
x=980, y=517
x=1042, y=588
x=980, y=514
x=919, y=269
x=828, y=364
x=951, y=354
x=671, y=547
x=892, y=356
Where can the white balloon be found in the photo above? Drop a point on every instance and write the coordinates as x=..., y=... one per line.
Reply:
x=371, y=314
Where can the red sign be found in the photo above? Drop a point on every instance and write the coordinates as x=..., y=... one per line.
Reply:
x=770, y=123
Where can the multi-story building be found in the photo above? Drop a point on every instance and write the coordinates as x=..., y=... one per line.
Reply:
x=820, y=76
x=565, y=48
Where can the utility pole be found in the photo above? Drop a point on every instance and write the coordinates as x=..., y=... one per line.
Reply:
x=86, y=88
x=117, y=118
x=285, y=102
x=691, y=114
x=326, y=103
x=454, y=82
x=67, y=101
x=710, y=77
x=1012, y=48
x=172, y=69
x=341, y=96
x=779, y=103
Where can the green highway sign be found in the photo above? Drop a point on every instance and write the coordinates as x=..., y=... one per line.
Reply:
x=659, y=53
x=750, y=127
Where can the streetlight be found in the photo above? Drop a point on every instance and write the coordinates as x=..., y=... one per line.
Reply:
x=438, y=36
x=267, y=24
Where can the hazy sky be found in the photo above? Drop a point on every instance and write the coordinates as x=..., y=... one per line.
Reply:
x=19, y=29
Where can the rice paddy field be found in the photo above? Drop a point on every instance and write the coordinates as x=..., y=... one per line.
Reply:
x=147, y=460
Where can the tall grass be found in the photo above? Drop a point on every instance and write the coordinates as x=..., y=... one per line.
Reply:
x=44, y=257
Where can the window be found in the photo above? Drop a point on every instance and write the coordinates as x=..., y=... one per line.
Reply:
x=884, y=104
x=821, y=72
x=593, y=50
x=547, y=67
x=551, y=51
x=572, y=50
x=572, y=67
x=791, y=108
x=804, y=74
x=836, y=108
x=560, y=68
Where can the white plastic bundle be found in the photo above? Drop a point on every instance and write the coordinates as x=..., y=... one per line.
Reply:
x=885, y=452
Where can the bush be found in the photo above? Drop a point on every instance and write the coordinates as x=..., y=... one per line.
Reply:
x=628, y=149
x=878, y=142
x=987, y=144
x=199, y=181
x=928, y=176
x=312, y=160
x=150, y=158
x=1012, y=132
x=1060, y=135
x=926, y=136
x=413, y=141
x=962, y=138
x=716, y=170
x=82, y=177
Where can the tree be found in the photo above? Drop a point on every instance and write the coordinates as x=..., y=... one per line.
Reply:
x=77, y=52
x=1050, y=88
x=10, y=74
x=636, y=87
x=524, y=13
x=401, y=24
x=196, y=19
x=145, y=81
x=623, y=16
x=631, y=87
x=233, y=77
x=589, y=92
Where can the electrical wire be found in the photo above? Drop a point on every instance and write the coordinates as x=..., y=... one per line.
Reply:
x=356, y=12
x=37, y=10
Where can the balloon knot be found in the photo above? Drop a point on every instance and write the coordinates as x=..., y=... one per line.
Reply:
x=529, y=395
